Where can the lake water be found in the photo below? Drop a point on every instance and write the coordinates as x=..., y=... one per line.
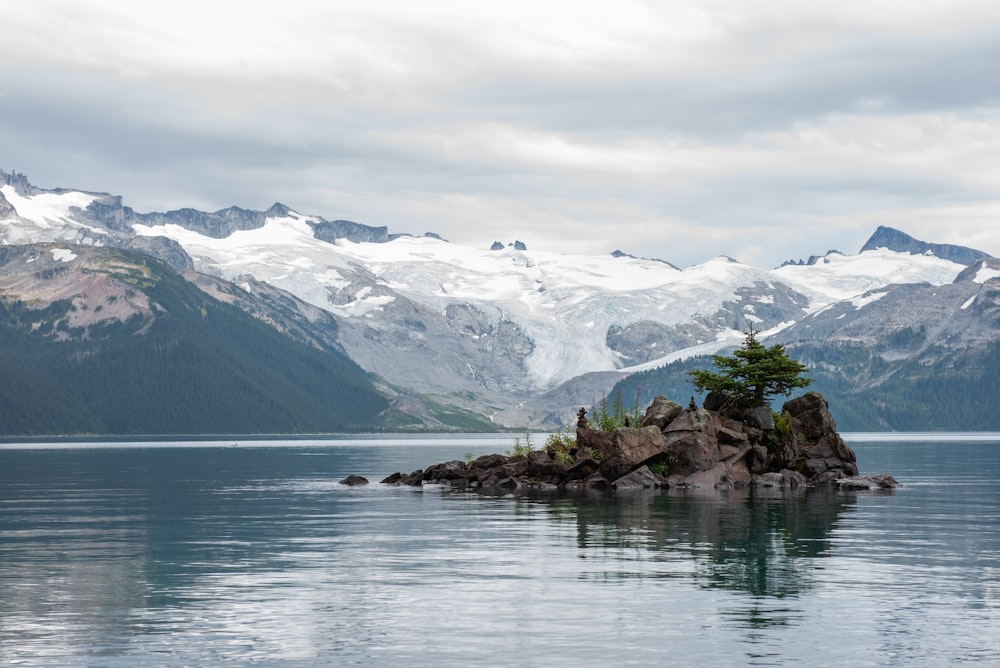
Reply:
x=176, y=554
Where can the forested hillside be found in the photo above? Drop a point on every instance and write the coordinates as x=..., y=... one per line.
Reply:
x=191, y=365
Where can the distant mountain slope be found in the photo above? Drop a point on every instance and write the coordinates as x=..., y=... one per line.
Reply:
x=107, y=341
x=903, y=358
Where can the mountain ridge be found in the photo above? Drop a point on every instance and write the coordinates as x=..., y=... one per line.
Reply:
x=893, y=239
x=520, y=336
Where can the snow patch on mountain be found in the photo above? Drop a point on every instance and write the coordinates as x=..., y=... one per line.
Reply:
x=838, y=277
x=63, y=255
x=864, y=300
x=728, y=338
x=725, y=339
x=986, y=273
x=45, y=213
x=283, y=252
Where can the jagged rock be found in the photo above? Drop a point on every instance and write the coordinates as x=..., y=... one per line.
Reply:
x=543, y=468
x=727, y=406
x=679, y=482
x=509, y=482
x=760, y=417
x=541, y=486
x=714, y=401
x=727, y=435
x=661, y=412
x=641, y=478
x=415, y=479
x=601, y=442
x=692, y=443
x=489, y=461
x=739, y=471
x=631, y=449
x=583, y=467
x=499, y=476
x=822, y=449
x=354, y=481
x=452, y=470
x=716, y=477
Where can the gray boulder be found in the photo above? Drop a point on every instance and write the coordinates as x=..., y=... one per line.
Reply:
x=661, y=412
x=631, y=448
x=354, y=481
x=641, y=478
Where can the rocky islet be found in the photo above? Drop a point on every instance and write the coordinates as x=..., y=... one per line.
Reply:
x=719, y=445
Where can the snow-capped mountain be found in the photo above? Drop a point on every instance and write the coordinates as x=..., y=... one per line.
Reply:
x=494, y=327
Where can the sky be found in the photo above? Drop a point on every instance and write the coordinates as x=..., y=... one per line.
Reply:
x=677, y=129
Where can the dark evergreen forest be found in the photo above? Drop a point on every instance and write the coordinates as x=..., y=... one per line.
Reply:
x=194, y=366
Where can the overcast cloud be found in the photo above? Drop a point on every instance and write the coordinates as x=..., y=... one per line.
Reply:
x=764, y=130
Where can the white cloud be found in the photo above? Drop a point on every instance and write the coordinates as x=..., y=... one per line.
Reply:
x=765, y=130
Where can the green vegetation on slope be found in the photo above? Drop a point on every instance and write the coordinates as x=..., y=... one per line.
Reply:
x=201, y=367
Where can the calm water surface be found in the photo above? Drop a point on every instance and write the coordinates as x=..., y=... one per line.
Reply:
x=199, y=553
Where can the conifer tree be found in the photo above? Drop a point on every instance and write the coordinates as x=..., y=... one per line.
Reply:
x=752, y=374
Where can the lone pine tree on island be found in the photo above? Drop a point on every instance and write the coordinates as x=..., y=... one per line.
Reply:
x=752, y=374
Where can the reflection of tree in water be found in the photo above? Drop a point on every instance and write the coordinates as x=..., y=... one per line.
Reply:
x=758, y=546
x=751, y=542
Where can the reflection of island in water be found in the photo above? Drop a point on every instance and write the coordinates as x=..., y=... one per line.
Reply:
x=750, y=542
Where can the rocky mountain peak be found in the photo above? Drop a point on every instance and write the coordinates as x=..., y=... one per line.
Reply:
x=894, y=240
x=18, y=181
x=813, y=259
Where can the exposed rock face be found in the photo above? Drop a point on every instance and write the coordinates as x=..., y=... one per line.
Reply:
x=631, y=448
x=692, y=441
x=822, y=453
x=330, y=231
x=677, y=447
x=165, y=249
x=645, y=340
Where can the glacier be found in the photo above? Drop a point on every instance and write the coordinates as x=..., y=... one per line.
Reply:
x=565, y=304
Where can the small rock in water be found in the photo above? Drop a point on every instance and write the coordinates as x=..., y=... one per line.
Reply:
x=354, y=481
x=875, y=481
